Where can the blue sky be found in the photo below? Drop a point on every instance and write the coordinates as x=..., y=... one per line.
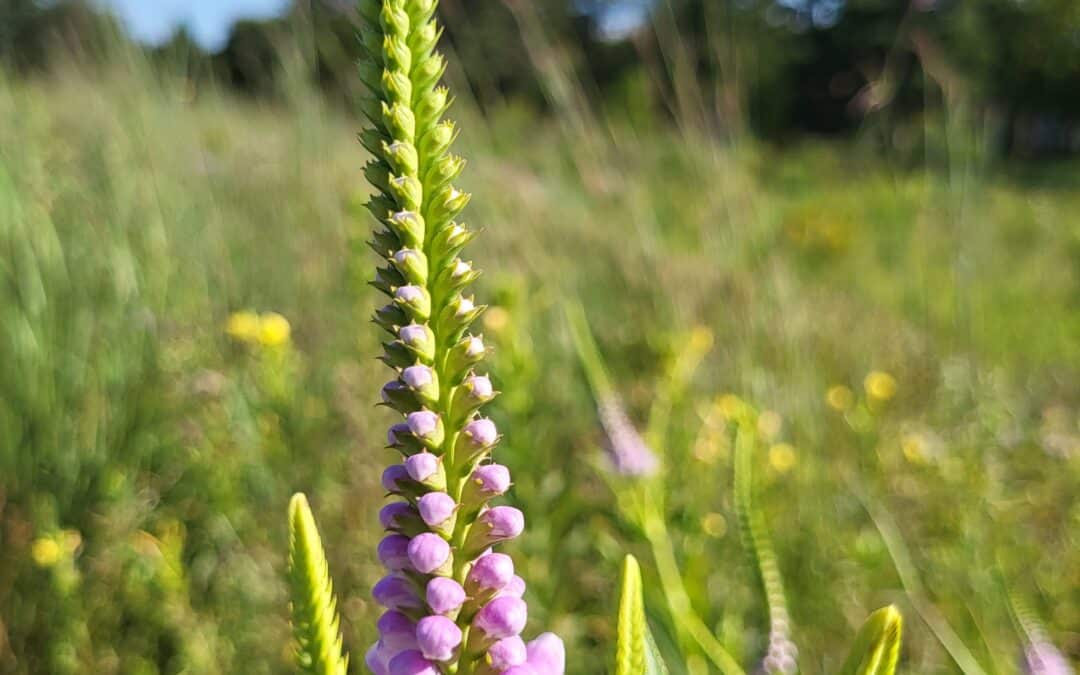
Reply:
x=208, y=21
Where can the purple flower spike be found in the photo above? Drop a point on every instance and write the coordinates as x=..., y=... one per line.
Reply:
x=491, y=572
x=422, y=466
x=412, y=662
x=507, y=653
x=394, y=592
x=396, y=633
x=502, y=618
x=437, y=637
x=515, y=588
x=394, y=552
x=547, y=655
x=422, y=423
x=417, y=377
x=504, y=522
x=428, y=552
x=436, y=508
x=1043, y=658
x=629, y=453
x=492, y=479
x=393, y=478
x=444, y=595
x=481, y=433
x=395, y=515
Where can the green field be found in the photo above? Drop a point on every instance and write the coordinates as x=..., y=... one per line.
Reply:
x=147, y=458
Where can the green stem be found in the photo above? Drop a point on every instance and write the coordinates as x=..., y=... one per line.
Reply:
x=686, y=620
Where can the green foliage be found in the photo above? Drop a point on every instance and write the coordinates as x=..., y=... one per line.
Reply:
x=877, y=644
x=635, y=650
x=314, y=606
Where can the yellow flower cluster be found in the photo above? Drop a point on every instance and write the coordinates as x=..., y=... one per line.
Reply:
x=880, y=387
x=268, y=330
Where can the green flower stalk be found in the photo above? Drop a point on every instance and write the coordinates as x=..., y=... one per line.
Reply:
x=314, y=608
x=453, y=606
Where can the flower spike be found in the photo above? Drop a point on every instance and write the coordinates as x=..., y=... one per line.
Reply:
x=453, y=605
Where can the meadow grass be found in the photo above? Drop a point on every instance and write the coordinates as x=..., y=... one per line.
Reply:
x=148, y=457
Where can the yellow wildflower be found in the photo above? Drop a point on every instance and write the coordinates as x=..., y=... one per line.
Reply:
x=243, y=326
x=782, y=457
x=731, y=406
x=274, y=330
x=880, y=385
x=914, y=446
x=840, y=398
x=45, y=551
x=701, y=339
x=714, y=525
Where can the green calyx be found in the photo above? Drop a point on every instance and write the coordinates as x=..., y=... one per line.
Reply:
x=314, y=607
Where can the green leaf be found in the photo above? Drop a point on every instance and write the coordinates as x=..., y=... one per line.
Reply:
x=877, y=646
x=635, y=652
x=314, y=608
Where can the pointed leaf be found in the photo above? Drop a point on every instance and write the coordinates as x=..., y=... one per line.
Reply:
x=631, y=647
x=314, y=607
x=877, y=645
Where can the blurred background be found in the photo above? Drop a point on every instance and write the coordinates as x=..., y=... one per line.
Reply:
x=858, y=216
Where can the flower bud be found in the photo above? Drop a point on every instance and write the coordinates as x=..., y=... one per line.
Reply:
x=437, y=510
x=375, y=659
x=412, y=264
x=415, y=300
x=494, y=525
x=431, y=106
x=419, y=340
x=400, y=517
x=407, y=191
x=412, y=662
x=397, y=54
x=438, y=637
x=427, y=427
x=420, y=12
x=438, y=138
x=402, y=157
x=423, y=382
x=429, y=553
x=476, y=438
x=515, y=588
x=463, y=355
x=501, y=618
x=506, y=653
x=451, y=239
x=394, y=552
x=395, y=479
x=397, y=632
x=394, y=21
x=489, y=574
x=394, y=592
x=426, y=469
x=430, y=70
x=487, y=481
x=398, y=88
x=475, y=391
x=547, y=654
x=444, y=595
x=447, y=204
x=444, y=170
x=409, y=226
